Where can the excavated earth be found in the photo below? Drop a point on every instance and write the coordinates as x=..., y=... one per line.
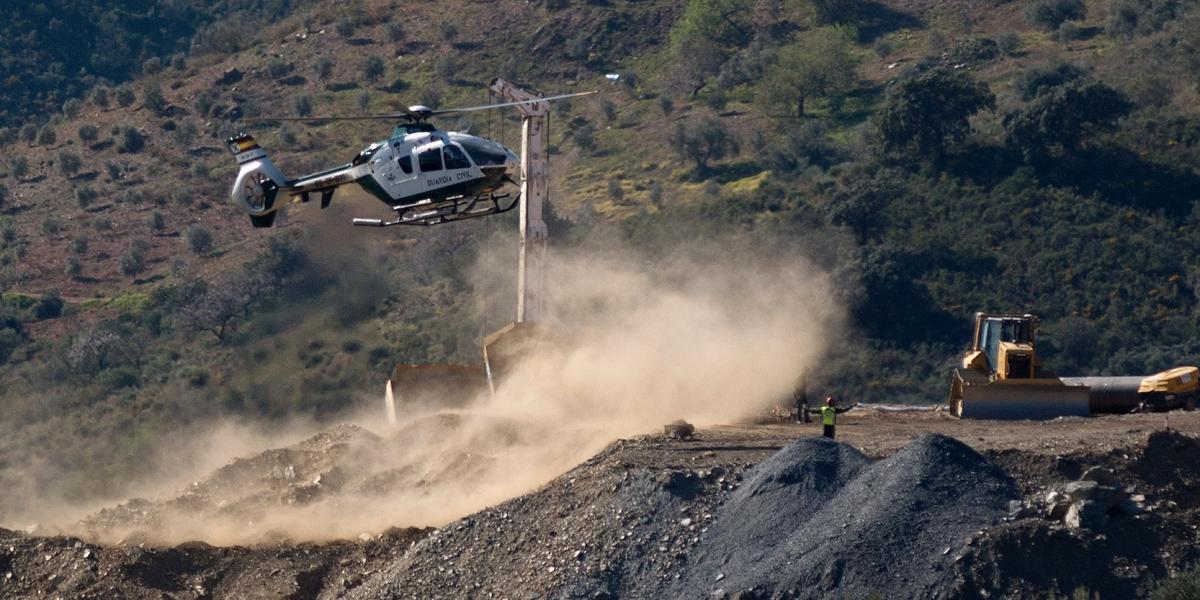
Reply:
x=904, y=505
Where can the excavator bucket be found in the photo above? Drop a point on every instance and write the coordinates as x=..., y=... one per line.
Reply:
x=444, y=386
x=505, y=346
x=974, y=395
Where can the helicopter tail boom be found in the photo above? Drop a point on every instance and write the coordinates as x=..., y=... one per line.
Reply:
x=259, y=182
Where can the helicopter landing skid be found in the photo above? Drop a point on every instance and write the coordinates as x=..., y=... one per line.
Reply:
x=454, y=208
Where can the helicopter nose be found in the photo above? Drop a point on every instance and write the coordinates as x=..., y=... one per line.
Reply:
x=512, y=166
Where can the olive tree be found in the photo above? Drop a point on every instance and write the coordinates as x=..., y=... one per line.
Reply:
x=819, y=64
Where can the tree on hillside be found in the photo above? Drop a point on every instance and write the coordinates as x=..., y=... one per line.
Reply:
x=132, y=141
x=153, y=99
x=1061, y=119
x=105, y=346
x=928, y=113
x=199, y=239
x=133, y=260
x=46, y=136
x=1189, y=46
x=1050, y=14
x=819, y=64
x=88, y=133
x=861, y=204
x=836, y=11
x=223, y=305
x=69, y=163
x=49, y=306
x=1035, y=80
x=372, y=68
x=12, y=333
x=703, y=38
x=703, y=142
x=125, y=96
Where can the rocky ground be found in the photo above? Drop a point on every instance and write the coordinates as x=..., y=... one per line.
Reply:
x=908, y=505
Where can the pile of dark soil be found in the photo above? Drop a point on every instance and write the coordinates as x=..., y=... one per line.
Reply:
x=820, y=517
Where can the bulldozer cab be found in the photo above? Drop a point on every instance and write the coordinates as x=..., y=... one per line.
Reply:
x=1006, y=342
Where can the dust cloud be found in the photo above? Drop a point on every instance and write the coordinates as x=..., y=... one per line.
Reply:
x=711, y=333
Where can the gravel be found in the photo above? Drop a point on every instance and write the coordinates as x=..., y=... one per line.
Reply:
x=819, y=517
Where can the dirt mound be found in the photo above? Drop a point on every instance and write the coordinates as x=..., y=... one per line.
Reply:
x=243, y=492
x=345, y=481
x=659, y=517
x=817, y=518
x=64, y=567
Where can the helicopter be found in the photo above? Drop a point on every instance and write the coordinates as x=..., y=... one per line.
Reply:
x=427, y=176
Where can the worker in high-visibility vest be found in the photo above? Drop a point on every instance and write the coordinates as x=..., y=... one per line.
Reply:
x=829, y=414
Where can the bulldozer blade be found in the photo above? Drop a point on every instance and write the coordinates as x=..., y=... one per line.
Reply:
x=974, y=396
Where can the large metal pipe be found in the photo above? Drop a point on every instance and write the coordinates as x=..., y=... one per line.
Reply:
x=1110, y=395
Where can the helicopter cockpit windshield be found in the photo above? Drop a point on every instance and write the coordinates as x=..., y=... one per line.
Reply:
x=483, y=152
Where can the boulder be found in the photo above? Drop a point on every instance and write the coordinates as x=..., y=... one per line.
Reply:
x=1101, y=475
x=680, y=430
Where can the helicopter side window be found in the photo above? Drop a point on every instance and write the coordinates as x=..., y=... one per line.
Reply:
x=430, y=160
x=455, y=159
x=406, y=164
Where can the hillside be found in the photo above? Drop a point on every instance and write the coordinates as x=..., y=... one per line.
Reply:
x=138, y=305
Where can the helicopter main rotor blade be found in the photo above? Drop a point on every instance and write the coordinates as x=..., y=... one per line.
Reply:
x=309, y=119
x=415, y=116
x=448, y=111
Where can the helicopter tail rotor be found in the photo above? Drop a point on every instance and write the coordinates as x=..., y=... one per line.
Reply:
x=258, y=184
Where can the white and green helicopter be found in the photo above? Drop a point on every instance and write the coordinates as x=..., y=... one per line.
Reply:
x=427, y=176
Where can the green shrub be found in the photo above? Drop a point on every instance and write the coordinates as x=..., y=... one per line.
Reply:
x=85, y=196
x=154, y=100
x=100, y=96
x=126, y=96
x=51, y=226
x=132, y=141
x=156, y=221
x=1050, y=14
x=88, y=133
x=372, y=68
x=199, y=239
x=132, y=261
x=49, y=306
x=68, y=163
x=119, y=378
x=18, y=166
x=46, y=136
x=74, y=268
x=152, y=66
x=71, y=108
x=1183, y=586
x=303, y=105
x=278, y=68
x=324, y=68
x=394, y=31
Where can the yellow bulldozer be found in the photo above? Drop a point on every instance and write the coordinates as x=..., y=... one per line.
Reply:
x=1001, y=377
